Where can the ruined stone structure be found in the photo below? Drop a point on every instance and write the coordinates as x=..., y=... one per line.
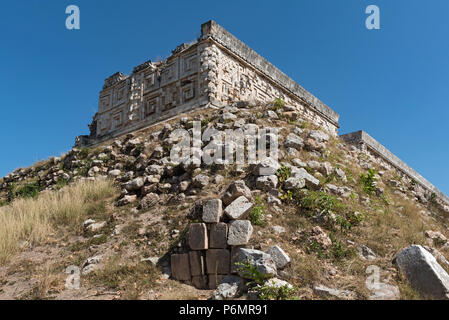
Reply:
x=365, y=142
x=212, y=71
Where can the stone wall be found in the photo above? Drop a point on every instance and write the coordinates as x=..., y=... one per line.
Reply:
x=212, y=71
x=365, y=142
x=244, y=74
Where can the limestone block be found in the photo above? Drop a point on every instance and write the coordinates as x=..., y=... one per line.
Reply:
x=311, y=181
x=212, y=211
x=200, y=282
x=180, y=267
x=240, y=232
x=218, y=261
x=218, y=235
x=267, y=167
x=197, y=237
x=238, y=208
x=197, y=263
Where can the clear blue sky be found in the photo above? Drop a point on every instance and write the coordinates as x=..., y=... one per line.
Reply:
x=393, y=82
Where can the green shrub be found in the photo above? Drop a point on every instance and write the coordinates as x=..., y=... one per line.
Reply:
x=257, y=214
x=339, y=250
x=318, y=200
x=83, y=153
x=284, y=173
x=249, y=271
x=278, y=103
x=29, y=190
x=368, y=181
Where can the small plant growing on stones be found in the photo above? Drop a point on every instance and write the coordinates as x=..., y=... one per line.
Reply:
x=368, y=181
x=321, y=201
x=249, y=271
x=278, y=103
x=284, y=173
x=257, y=214
x=270, y=292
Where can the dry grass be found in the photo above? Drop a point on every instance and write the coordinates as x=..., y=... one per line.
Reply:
x=34, y=220
x=131, y=279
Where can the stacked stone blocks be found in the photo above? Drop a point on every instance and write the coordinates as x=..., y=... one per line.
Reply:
x=212, y=242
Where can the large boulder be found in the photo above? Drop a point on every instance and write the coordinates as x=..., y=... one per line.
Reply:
x=423, y=272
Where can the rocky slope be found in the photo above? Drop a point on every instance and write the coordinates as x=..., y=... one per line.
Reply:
x=323, y=221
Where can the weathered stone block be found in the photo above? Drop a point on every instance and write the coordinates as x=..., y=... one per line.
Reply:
x=180, y=267
x=218, y=235
x=212, y=211
x=236, y=189
x=197, y=237
x=238, y=208
x=279, y=256
x=218, y=261
x=200, y=282
x=240, y=232
x=197, y=263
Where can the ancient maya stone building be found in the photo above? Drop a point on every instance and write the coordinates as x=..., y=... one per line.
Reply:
x=210, y=72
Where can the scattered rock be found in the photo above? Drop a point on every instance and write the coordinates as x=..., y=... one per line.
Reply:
x=281, y=259
x=135, y=184
x=267, y=182
x=236, y=189
x=238, y=208
x=150, y=200
x=318, y=136
x=319, y=236
x=293, y=141
x=267, y=167
x=310, y=181
x=366, y=253
x=229, y=288
x=324, y=291
x=278, y=229
x=127, y=199
x=200, y=181
x=94, y=227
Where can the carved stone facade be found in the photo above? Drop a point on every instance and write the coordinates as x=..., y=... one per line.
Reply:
x=213, y=71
